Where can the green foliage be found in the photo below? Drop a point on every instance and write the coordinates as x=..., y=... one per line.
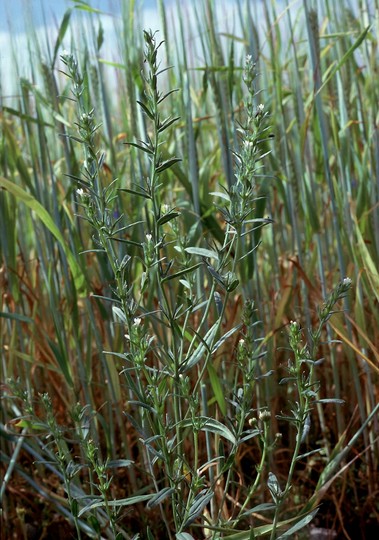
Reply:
x=148, y=386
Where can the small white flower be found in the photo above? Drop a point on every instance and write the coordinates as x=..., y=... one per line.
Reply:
x=248, y=58
x=248, y=144
x=294, y=325
x=66, y=56
x=241, y=341
x=260, y=108
x=80, y=192
x=149, y=237
x=137, y=321
x=347, y=282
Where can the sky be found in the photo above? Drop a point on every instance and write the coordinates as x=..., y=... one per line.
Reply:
x=45, y=16
x=49, y=11
x=16, y=15
x=14, y=12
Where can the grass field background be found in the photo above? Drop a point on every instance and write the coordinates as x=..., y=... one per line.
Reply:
x=318, y=189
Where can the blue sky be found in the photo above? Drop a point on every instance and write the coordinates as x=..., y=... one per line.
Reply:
x=49, y=11
x=45, y=17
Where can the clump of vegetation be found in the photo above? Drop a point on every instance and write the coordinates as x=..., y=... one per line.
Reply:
x=167, y=371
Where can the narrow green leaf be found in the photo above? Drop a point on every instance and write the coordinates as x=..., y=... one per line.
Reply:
x=112, y=64
x=84, y=6
x=307, y=454
x=159, y=497
x=212, y=425
x=167, y=217
x=260, y=508
x=258, y=531
x=26, y=117
x=345, y=57
x=300, y=525
x=47, y=220
x=119, y=313
x=16, y=317
x=118, y=463
x=197, y=355
x=138, y=193
x=146, y=109
x=221, y=194
x=167, y=164
x=182, y=272
x=225, y=337
x=202, y=252
x=330, y=400
x=115, y=504
x=167, y=123
x=167, y=94
x=199, y=503
x=217, y=388
x=144, y=148
x=62, y=32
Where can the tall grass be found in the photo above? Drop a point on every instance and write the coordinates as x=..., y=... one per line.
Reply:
x=71, y=412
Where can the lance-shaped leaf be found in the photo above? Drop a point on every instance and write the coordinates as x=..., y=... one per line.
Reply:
x=167, y=164
x=167, y=123
x=143, y=146
x=203, y=423
x=182, y=272
x=167, y=217
x=160, y=496
x=197, y=355
x=202, y=252
x=95, y=503
x=300, y=525
x=143, y=193
x=145, y=109
x=199, y=503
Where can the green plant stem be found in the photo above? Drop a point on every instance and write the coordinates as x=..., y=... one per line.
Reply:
x=258, y=478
